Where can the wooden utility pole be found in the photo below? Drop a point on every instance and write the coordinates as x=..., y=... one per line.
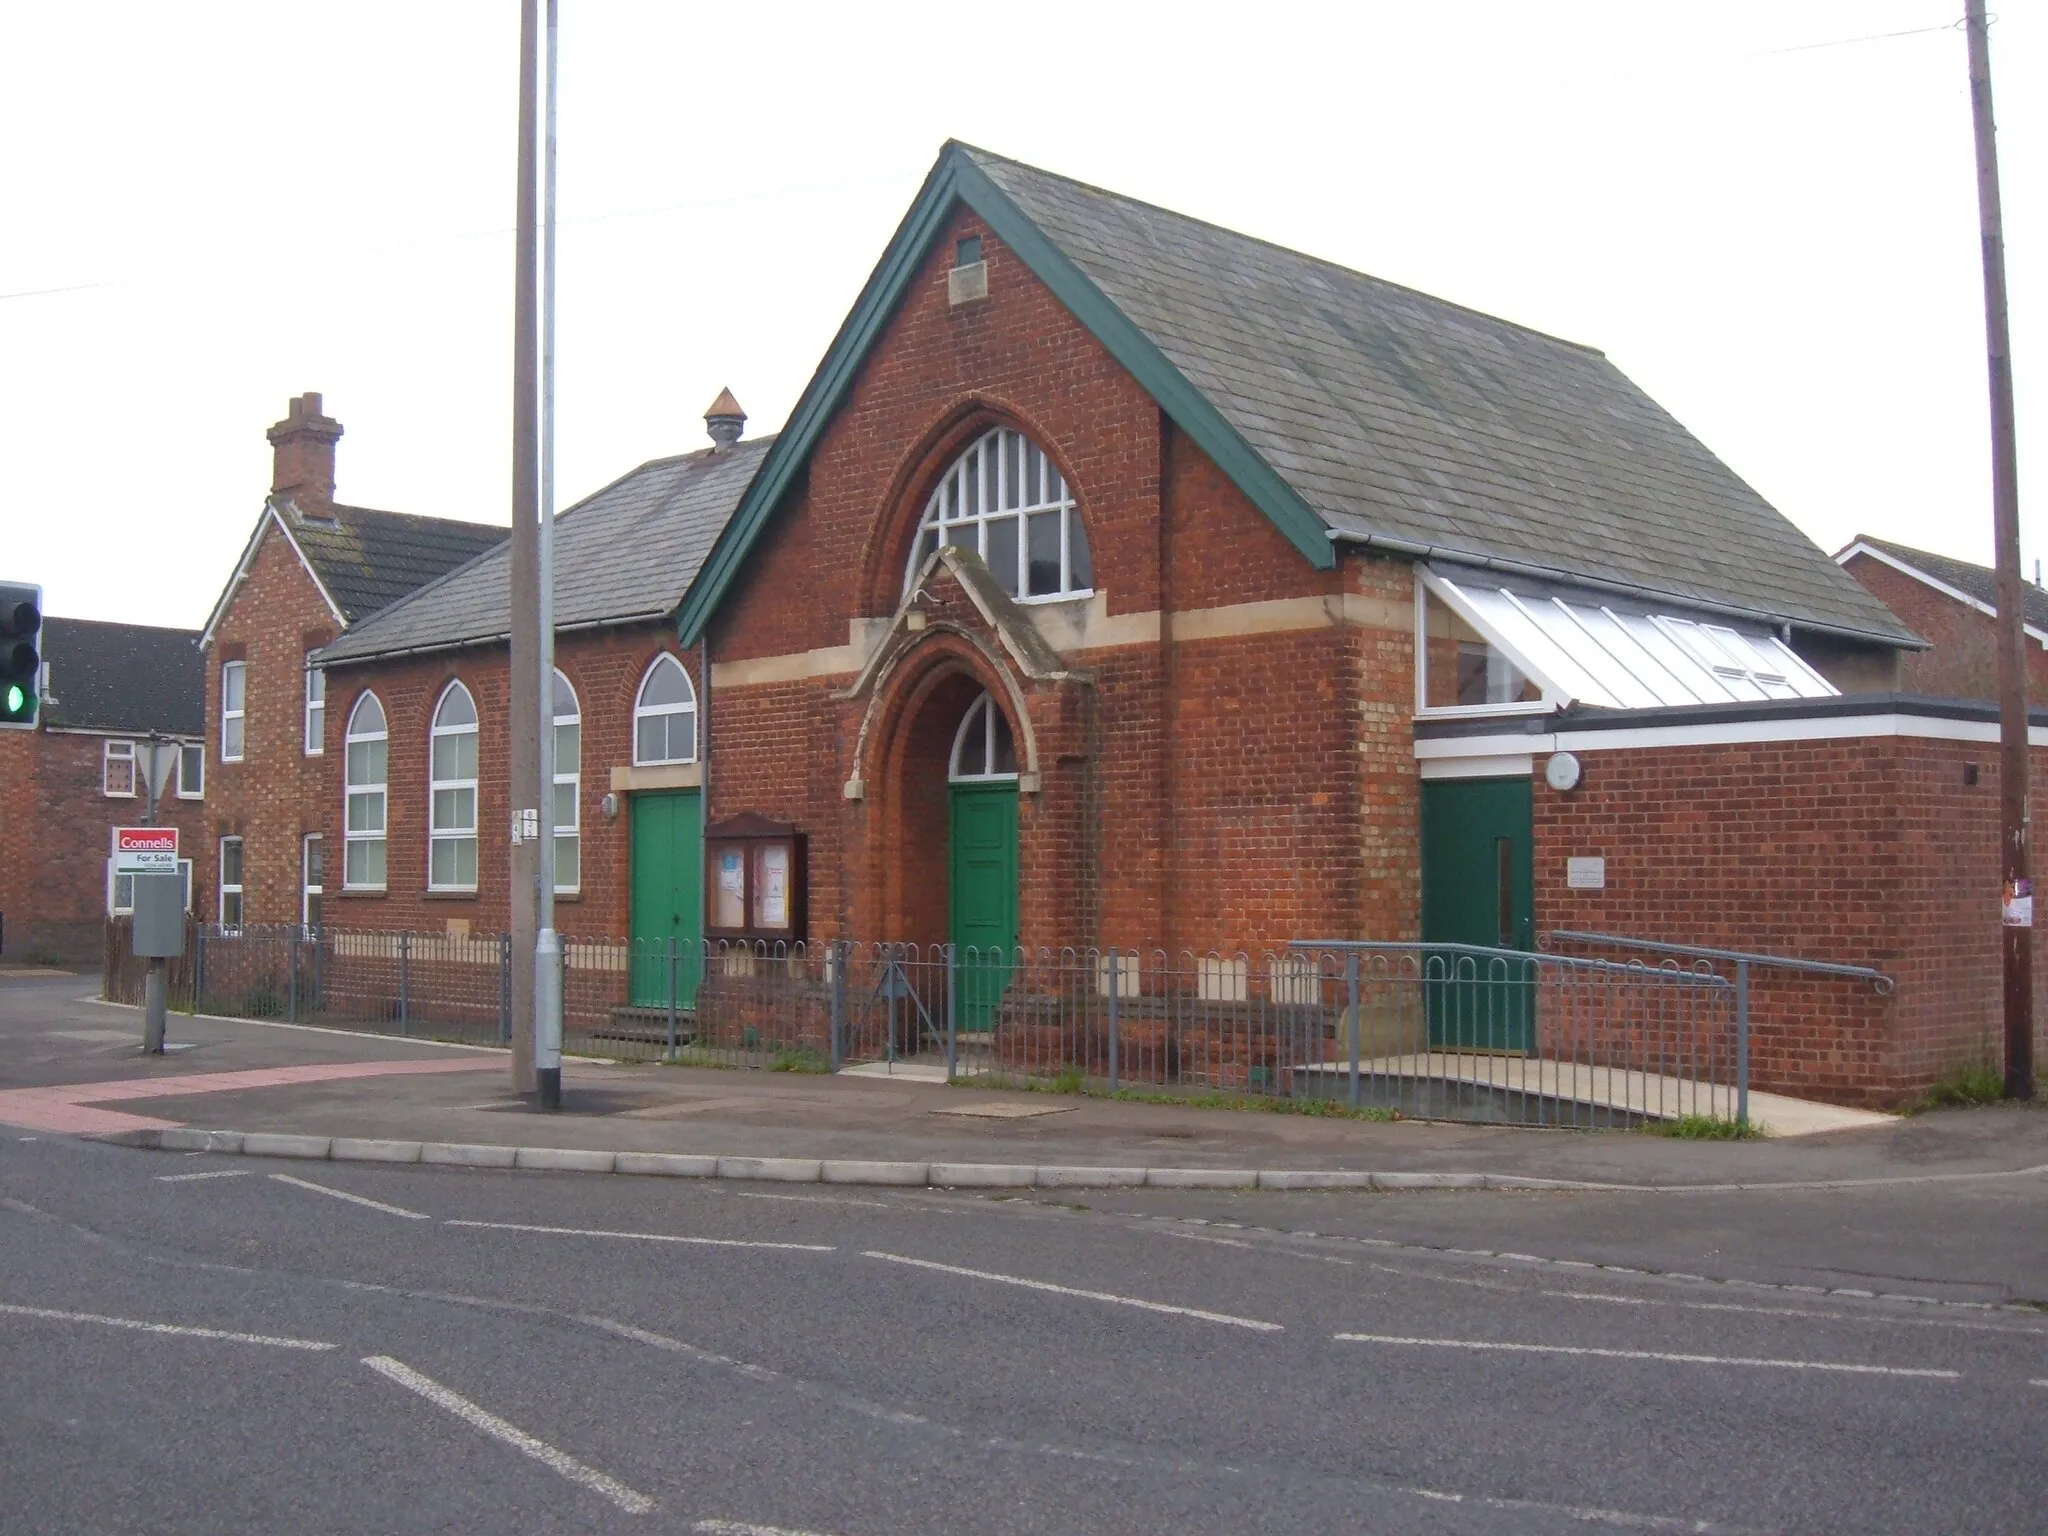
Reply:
x=2013, y=765
x=526, y=830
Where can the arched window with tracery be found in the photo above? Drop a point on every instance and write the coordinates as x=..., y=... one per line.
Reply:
x=568, y=845
x=1006, y=500
x=665, y=715
x=451, y=792
x=983, y=747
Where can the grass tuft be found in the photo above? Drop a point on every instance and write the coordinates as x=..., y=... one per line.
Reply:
x=798, y=1058
x=1706, y=1128
x=1964, y=1085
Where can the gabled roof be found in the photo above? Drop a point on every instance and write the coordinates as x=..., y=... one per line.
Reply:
x=1349, y=408
x=1976, y=586
x=623, y=555
x=362, y=559
x=124, y=677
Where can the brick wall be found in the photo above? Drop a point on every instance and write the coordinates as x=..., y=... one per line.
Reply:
x=1866, y=851
x=270, y=798
x=1193, y=792
x=1963, y=660
x=54, y=841
x=605, y=667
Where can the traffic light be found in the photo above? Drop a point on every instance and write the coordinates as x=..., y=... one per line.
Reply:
x=21, y=619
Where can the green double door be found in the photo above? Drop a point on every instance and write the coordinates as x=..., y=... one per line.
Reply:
x=982, y=850
x=668, y=896
x=1479, y=888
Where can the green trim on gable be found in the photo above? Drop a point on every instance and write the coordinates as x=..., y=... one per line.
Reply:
x=957, y=177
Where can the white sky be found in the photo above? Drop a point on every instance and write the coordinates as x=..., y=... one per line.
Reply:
x=241, y=202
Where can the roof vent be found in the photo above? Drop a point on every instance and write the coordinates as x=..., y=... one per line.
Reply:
x=725, y=421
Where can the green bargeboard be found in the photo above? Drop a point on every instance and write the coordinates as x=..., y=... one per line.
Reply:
x=982, y=844
x=668, y=896
x=1479, y=887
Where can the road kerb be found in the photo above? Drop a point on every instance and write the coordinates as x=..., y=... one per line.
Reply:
x=983, y=1175
x=674, y=1165
x=849, y=1171
x=365, y=1149
x=282, y=1144
x=1201, y=1178
x=1086, y=1177
x=462, y=1154
x=777, y=1170
x=564, y=1159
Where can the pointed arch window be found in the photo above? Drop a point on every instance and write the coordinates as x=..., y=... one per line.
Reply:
x=983, y=747
x=665, y=715
x=1006, y=500
x=568, y=719
x=451, y=793
x=366, y=754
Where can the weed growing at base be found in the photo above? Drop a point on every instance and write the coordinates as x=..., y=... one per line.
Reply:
x=1965, y=1085
x=1706, y=1128
x=1073, y=1081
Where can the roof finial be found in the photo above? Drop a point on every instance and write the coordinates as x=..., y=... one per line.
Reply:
x=725, y=421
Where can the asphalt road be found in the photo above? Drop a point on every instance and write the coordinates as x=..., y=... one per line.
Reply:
x=457, y=1351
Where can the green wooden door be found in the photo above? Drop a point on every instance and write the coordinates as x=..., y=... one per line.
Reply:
x=983, y=853
x=1479, y=887
x=668, y=896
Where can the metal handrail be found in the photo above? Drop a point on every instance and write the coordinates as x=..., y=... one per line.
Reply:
x=1884, y=984
x=1537, y=956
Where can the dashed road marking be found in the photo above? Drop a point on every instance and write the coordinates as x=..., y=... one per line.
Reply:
x=1666, y=1357
x=342, y=1194
x=1048, y=1286
x=643, y=1237
x=179, y=1330
x=742, y=1528
x=511, y=1434
x=187, y=1178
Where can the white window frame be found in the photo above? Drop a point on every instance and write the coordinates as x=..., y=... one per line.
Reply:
x=984, y=714
x=112, y=752
x=237, y=717
x=116, y=907
x=1549, y=699
x=315, y=732
x=379, y=792
x=192, y=752
x=572, y=777
x=307, y=889
x=223, y=890
x=642, y=710
x=976, y=491
x=455, y=834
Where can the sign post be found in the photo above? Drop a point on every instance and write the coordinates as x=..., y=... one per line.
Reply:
x=149, y=856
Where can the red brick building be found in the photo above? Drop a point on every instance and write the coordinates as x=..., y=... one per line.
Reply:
x=1952, y=604
x=109, y=689
x=312, y=567
x=1123, y=580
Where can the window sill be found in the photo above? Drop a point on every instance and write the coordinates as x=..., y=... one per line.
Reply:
x=467, y=893
x=361, y=893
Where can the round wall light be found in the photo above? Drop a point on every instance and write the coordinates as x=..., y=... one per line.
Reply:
x=1562, y=772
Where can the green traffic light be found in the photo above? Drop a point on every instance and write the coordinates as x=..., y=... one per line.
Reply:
x=17, y=698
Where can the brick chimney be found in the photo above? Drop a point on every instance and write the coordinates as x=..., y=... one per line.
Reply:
x=302, y=462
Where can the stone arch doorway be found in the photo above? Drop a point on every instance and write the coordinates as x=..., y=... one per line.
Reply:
x=950, y=848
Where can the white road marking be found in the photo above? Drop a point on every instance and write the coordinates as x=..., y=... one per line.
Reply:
x=226, y=1336
x=2041, y=1383
x=1651, y=1354
x=1233, y=1242
x=342, y=1194
x=741, y=1528
x=643, y=1237
x=482, y=1418
x=187, y=1178
x=1068, y=1290
x=1879, y=1319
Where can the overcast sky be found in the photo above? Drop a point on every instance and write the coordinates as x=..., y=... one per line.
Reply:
x=213, y=207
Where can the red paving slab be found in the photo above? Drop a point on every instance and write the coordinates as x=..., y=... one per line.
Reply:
x=65, y=1108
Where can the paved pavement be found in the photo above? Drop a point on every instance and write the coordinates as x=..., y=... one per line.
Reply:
x=233, y=1344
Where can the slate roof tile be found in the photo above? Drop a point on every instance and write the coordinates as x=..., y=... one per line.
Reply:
x=368, y=559
x=124, y=677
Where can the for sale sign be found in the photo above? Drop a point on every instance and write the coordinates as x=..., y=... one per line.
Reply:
x=145, y=850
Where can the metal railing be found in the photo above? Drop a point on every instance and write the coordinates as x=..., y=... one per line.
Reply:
x=1429, y=1031
x=1740, y=961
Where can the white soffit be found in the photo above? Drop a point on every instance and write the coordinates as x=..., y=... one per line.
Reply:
x=1618, y=655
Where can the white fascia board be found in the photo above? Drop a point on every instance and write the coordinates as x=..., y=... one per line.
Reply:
x=1716, y=733
x=220, y=607
x=1506, y=765
x=1905, y=568
x=1455, y=600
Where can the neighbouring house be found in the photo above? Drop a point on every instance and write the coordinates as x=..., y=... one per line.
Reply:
x=312, y=567
x=1123, y=580
x=109, y=690
x=1952, y=604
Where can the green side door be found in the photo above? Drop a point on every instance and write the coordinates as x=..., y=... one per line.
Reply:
x=1479, y=887
x=668, y=896
x=982, y=842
